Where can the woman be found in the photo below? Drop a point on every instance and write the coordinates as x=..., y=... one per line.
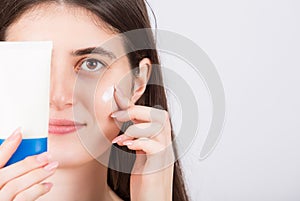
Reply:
x=69, y=170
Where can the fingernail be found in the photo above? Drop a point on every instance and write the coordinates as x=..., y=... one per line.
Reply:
x=16, y=134
x=113, y=115
x=118, y=114
x=51, y=166
x=128, y=142
x=117, y=139
x=43, y=158
x=48, y=186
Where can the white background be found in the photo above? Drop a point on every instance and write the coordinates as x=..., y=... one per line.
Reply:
x=255, y=46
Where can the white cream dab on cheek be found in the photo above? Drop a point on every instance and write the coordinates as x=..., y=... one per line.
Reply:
x=108, y=94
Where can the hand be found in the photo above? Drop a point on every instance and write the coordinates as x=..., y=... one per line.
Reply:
x=150, y=135
x=21, y=180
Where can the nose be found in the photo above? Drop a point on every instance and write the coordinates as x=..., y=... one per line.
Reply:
x=61, y=86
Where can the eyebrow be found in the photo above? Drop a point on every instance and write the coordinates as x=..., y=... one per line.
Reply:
x=94, y=50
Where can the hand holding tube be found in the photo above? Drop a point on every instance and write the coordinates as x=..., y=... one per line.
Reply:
x=23, y=180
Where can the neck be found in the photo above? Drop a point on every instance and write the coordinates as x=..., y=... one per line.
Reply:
x=89, y=179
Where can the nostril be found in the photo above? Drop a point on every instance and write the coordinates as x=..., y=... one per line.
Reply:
x=60, y=102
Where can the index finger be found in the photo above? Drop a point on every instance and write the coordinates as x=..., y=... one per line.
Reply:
x=141, y=113
x=9, y=146
x=123, y=102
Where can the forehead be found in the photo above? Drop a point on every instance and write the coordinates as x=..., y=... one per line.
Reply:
x=65, y=25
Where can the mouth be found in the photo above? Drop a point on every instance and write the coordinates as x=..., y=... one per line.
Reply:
x=63, y=126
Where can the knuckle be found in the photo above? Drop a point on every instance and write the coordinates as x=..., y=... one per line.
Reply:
x=162, y=115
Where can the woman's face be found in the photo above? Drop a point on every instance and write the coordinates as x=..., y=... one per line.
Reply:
x=86, y=95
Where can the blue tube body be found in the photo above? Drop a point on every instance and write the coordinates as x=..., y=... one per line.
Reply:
x=28, y=147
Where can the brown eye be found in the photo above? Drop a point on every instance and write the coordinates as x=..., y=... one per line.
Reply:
x=91, y=65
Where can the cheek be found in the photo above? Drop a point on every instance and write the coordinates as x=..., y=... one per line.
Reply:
x=95, y=96
x=104, y=105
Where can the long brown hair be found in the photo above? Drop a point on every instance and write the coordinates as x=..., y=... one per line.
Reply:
x=121, y=16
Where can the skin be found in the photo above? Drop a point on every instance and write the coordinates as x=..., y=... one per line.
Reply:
x=76, y=94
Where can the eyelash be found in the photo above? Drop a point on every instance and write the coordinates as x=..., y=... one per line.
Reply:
x=78, y=68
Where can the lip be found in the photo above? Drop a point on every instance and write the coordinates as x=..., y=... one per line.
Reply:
x=63, y=126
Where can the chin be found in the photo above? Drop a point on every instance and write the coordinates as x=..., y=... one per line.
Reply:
x=82, y=147
x=68, y=150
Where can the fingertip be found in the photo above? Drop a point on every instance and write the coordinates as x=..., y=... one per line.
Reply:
x=113, y=115
x=123, y=102
x=9, y=146
x=44, y=157
x=47, y=186
x=17, y=134
x=18, y=130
